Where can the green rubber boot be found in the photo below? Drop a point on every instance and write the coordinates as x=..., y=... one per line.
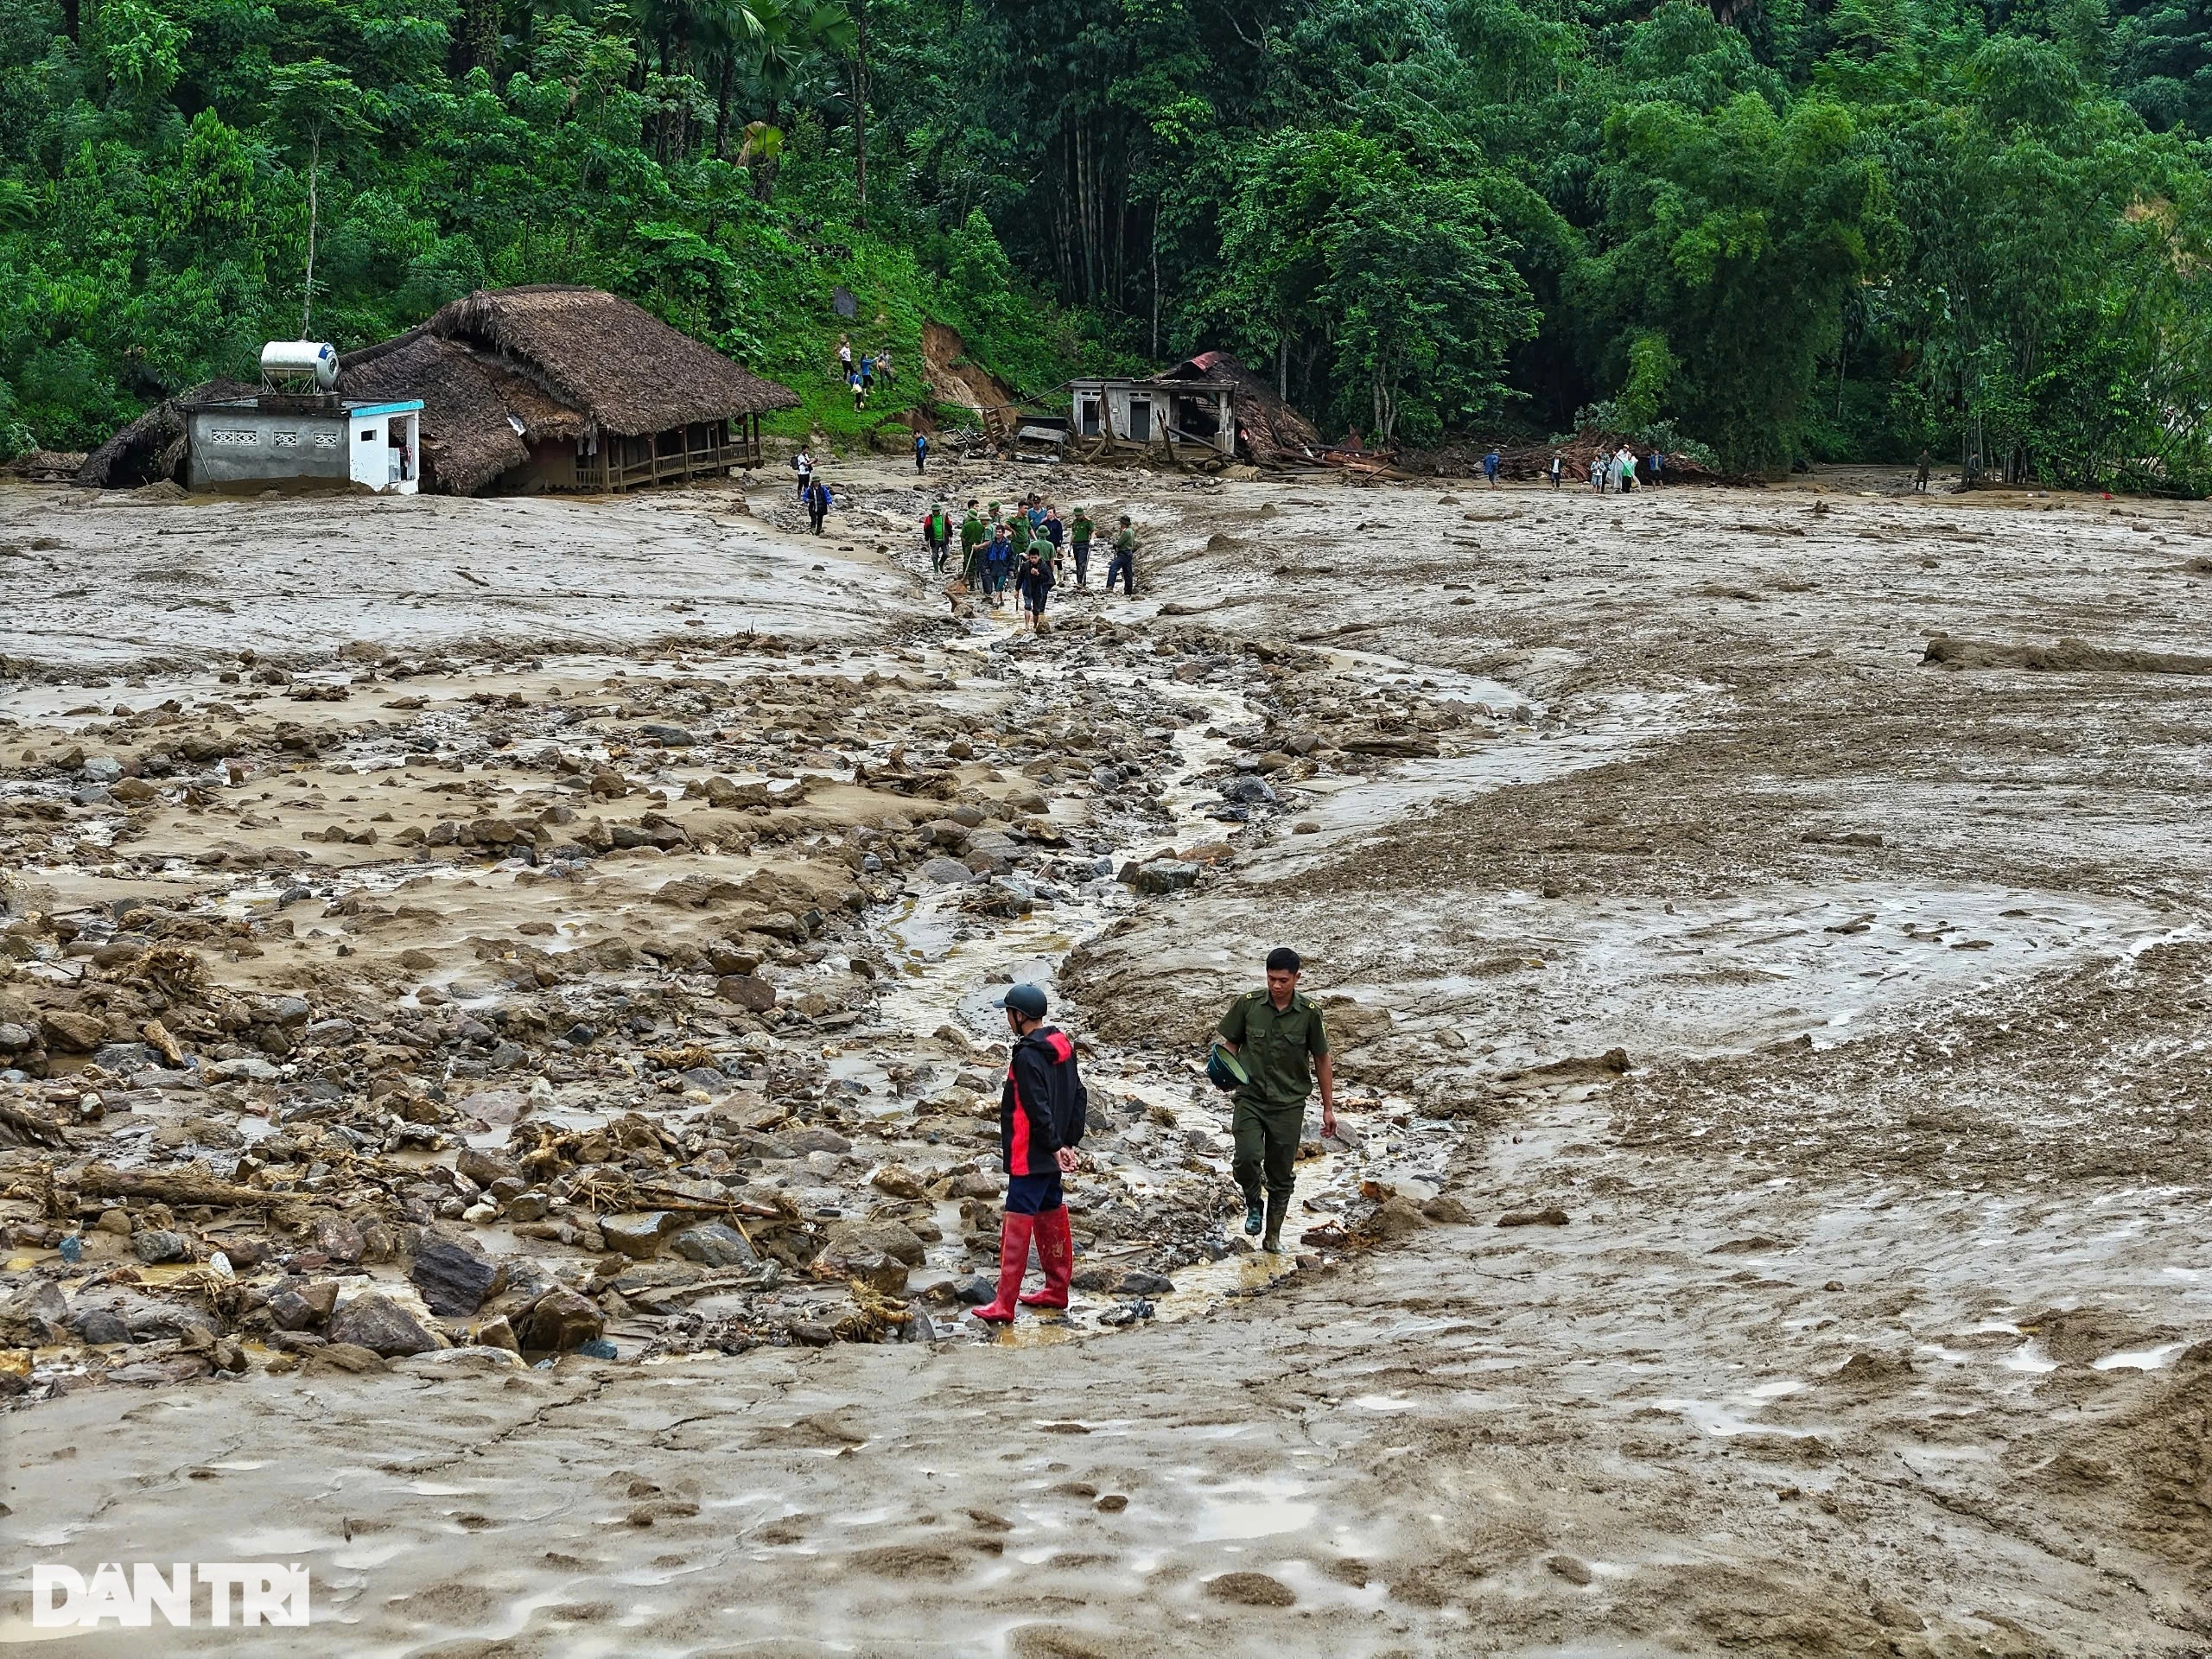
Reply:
x=1278, y=1206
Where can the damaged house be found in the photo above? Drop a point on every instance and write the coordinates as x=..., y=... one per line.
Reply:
x=1209, y=402
x=525, y=389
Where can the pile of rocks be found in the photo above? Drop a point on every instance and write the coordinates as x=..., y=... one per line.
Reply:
x=539, y=1012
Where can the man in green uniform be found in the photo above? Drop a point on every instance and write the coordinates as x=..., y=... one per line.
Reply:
x=1281, y=1042
x=1123, y=565
x=972, y=537
x=1079, y=532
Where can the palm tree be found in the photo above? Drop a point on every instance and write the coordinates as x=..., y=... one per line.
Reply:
x=798, y=36
x=727, y=29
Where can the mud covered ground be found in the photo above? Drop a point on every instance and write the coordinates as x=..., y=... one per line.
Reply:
x=1769, y=1217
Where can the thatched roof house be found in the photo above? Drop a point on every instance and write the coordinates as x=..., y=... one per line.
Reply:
x=152, y=447
x=545, y=387
x=561, y=388
x=478, y=418
x=621, y=364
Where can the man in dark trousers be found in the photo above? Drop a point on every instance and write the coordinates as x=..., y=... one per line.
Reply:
x=1123, y=565
x=1033, y=581
x=1280, y=1038
x=936, y=533
x=818, y=503
x=1041, y=1111
x=973, y=535
x=1080, y=529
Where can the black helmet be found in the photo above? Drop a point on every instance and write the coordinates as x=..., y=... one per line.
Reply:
x=1225, y=1071
x=1025, y=999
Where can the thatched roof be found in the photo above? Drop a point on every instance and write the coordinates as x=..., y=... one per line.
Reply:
x=1272, y=430
x=151, y=445
x=468, y=438
x=497, y=372
x=627, y=369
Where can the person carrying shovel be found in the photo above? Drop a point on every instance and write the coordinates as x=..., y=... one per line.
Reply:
x=973, y=535
x=1041, y=1110
x=1272, y=1043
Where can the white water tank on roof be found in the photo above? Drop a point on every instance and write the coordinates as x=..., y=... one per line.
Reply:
x=314, y=358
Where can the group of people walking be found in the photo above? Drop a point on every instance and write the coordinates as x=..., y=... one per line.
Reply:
x=1028, y=548
x=1616, y=472
x=1269, y=1049
x=861, y=374
x=814, y=493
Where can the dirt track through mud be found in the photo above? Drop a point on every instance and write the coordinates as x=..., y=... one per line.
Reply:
x=1829, y=1024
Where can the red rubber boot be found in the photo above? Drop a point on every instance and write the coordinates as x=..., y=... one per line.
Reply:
x=1014, y=1259
x=1056, y=1249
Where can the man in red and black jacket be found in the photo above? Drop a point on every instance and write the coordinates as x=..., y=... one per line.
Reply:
x=1041, y=1111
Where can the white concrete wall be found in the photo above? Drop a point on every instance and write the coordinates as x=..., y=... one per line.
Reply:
x=370, y=446
x=365, y=449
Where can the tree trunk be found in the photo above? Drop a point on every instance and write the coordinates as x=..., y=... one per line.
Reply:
x=306, y=290
x=722, y=106
x=660, y=108
x=483, y=27
x=1083, y=212
x=1155, y=282
x=765, y=167
x=859, y=110
x=680, y=148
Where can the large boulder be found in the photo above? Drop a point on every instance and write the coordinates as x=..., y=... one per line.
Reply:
x=1161, y=875
x=37, y=1313
x=713, y=1244
x=637, y=1236
x=454, y=1277
x=748, y=991
x=381, y=1325
x=71, y=1032
x=878, y=1253
x=560, y=1321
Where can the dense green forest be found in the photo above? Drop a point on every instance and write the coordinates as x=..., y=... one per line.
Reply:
x=1776, y=229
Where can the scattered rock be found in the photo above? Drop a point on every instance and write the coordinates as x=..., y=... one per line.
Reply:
x=747, y=991
x=1250, y=1590
x=638, y=1234
x=70, y=1032
x=713, y=1244
x=454, y=1277
x=1566, y=1567
x=560, y=1321
x=897, y=1181
x=1397, y=1216
x=375, y=1322
x=154, y=1245
x=348, y=1356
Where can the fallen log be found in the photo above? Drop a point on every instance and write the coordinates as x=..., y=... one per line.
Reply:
x=105, y=1181
x=21, y=1127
